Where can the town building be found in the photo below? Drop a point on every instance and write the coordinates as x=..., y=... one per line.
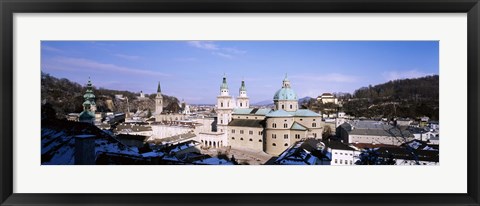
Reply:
x=342, y=154
x=162, y=116
x=373, y=132
x=327, y=98
x=308, y=152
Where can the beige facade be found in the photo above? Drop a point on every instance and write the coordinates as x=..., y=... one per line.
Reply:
x=281, y=132
x=246, y=137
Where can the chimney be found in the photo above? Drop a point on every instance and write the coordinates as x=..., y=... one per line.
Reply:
x=85, y=149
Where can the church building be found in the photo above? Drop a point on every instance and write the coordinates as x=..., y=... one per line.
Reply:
x=262, y=129
x=89, y=106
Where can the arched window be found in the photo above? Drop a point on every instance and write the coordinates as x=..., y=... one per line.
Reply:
x=274, y=125
x=260, y=140
x=240, y=104
x=283, y=106
x=250, y=139
x=286, y=144
x=285, y=125
x=291, y=107
x=274, y=144
x=314, y=124
x=221, y=104
x=241, y=138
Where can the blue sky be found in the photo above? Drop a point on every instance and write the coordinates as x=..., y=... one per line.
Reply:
x=193, y=70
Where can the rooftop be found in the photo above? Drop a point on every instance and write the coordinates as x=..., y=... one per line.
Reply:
x=246, y=123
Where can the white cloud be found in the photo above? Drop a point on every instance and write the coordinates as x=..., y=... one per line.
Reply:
x=52, y=49
x=217, y=50
x=127, y=57
x=234, y=51
x=83, y=64
x=204, y=45
x=393, y=75
x=228, y=56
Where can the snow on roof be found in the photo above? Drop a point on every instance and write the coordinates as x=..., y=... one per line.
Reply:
x=213, y=161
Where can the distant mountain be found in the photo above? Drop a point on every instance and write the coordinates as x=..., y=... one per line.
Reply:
x=305, y=99
x=264, y=103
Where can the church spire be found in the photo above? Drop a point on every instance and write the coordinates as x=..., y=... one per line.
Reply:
x=286, y=82
x=224, y=83
x=159, y=90
x=242, y=87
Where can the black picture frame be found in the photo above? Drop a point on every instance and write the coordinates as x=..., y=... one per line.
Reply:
x=10, y=7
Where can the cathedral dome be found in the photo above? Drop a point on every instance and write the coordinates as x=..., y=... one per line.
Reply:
x=285, y=94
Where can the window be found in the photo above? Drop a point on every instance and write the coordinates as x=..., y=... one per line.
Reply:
x=315, y=135
x=285, y=125
x=255, y=117
x=335, y=161
x=314, y=120
x=274, y=136
x=233, y=137
x=233, y=131
x=250, y=139
x=297, y=136
x=274, y=144
x=250, y=132
x=246, y=117
x=283, y=106
x=350, y=161
x=301, y=119
x=285, y=136
x=241, y=138
x=341, y=161
x=260, y=140
x=241, y=104
x=241, y=131
x=274, y=125
x=291, y=107
x=286, y=144
x=314, y=124
x=260, y=133
x=221, y=121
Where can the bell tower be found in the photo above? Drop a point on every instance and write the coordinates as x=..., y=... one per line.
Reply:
x=159, y=100
x=242, y=99
x=224, y=106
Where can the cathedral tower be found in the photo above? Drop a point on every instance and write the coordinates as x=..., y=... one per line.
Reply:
x=242, y=99
x=224, y=106
x=159, y=100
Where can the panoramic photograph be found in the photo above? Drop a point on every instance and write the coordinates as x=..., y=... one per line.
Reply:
x=337, y=103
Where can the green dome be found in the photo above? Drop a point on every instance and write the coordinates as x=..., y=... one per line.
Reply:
x=88, y=96
x=86, y=115
x=285, y=94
